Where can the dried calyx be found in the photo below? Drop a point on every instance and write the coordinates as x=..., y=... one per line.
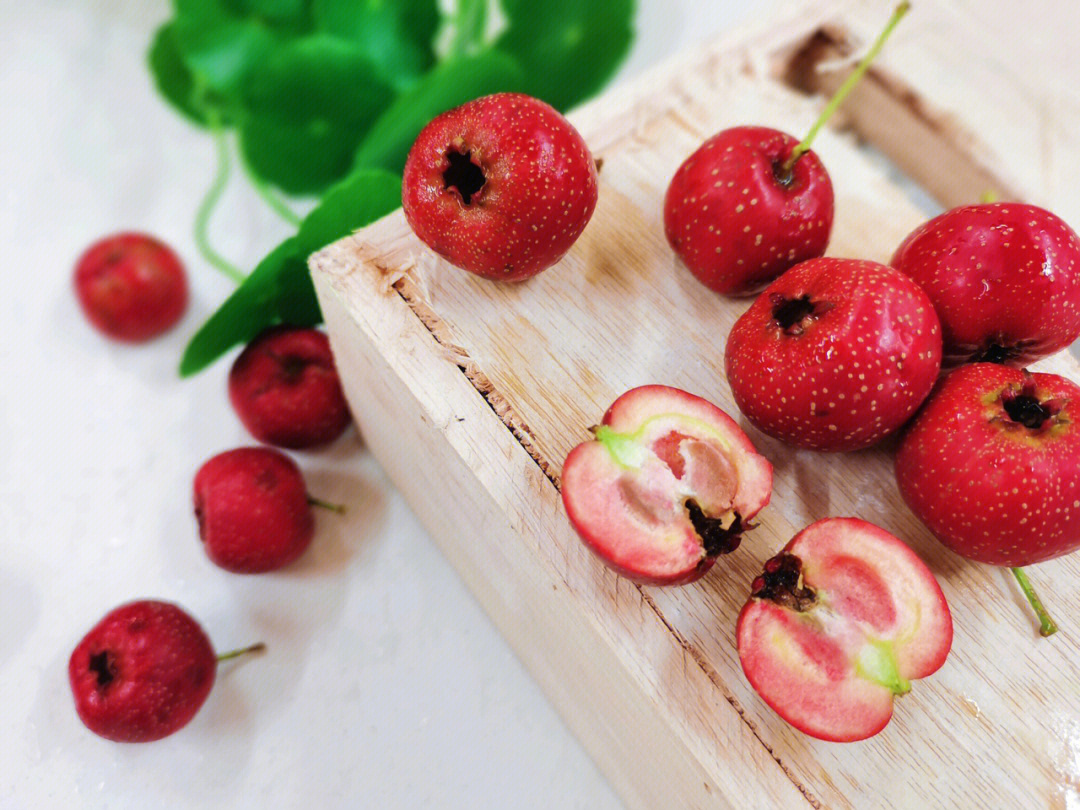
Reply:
x=782, y=582
x=794, y=315
x=718, y=535
x=1024, y=408
x=463, y=175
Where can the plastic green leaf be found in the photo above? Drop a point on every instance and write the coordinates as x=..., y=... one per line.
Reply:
x=279, y=290
x=171, y=75
x=307, y=107
x=568, y=48
x=449, y=84
x=397, y=35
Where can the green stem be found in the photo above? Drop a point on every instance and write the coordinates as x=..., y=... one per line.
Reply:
x=277, y=205
x=469, y=18
x=1046, y=624
x=243, y=651
x=210, y=201
x=988, y=196
x=333, y=507
x=804, y=145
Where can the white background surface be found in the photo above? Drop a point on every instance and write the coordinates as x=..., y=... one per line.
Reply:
x=384, y=685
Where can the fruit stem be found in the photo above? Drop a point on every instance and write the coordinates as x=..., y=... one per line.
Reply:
x=803, y=146
x=333, y=507
x=1047, y=627
x=988, y=196
x=242, y=651
x=210, y=201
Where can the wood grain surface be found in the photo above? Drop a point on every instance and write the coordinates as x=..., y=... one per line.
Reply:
x=471, y=394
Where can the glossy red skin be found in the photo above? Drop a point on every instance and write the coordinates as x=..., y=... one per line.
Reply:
x=998, y=273
x=540, y=187
x=285, y=389
x=868, y=603
x=989, y=488
x=733, y=224
x=855, y=375
x=252, y=508
x=131, y=287
x=162, y=668
x=598, y=539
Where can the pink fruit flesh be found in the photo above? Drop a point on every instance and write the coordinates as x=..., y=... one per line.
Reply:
x=835, y=354
x=252, y=508
x=285, y=388
x=737, y=220
x=990, y=465
x=1003, y=277
x=669, y=483
x=131, y=287
x=142, y=672
x=843, y=619
x=501, y=186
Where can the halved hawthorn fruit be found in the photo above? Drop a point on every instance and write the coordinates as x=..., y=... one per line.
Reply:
x=839, y=622
x=669, y=483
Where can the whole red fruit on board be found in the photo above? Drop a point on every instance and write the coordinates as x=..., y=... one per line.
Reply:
x=840, y=622
x=1004, y=278
x=669, y=483
x=501, y=186
x=752, y=202
x=992, y=464
x=737, y=219
x=131, y=286
x=143, y=672
x=253, y=510
x=285, y=389
x=835, y=354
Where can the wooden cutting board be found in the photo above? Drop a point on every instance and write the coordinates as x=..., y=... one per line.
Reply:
x=471, y=393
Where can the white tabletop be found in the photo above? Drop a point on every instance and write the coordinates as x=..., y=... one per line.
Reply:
x=384, y=684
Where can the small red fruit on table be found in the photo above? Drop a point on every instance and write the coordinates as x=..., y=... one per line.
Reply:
x=669, y=483
x=1004, y=278
x=131, y=287
x=143, y=672
x=253, y=510
x=752, y=201
x=992, y=466
x=285, y=389
x=835, y=354
x=840, y=622
x=501, y=186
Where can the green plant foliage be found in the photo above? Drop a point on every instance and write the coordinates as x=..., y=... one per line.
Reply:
x=448, y=85
x=568, y=48
x=327, y=96
x=279, y=290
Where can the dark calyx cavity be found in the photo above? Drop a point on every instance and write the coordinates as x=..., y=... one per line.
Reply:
x=996, y=353
x=1023, y=406
x=793, y=315
x=101, y=664
x=781, y=582
x=715, y=538
x=464, y=175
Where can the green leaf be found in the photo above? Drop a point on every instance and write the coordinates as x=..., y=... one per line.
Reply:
x=279, y=290
x=171, y=75
x=568, y=48
x=278, y=12
x=221, y=54
x=307, y=108
x=397, y=35
x=448, y=85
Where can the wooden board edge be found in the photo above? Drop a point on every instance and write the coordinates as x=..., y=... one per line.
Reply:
x=603, y=700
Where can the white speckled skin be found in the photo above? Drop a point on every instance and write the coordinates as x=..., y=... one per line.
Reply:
x=849, y=374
